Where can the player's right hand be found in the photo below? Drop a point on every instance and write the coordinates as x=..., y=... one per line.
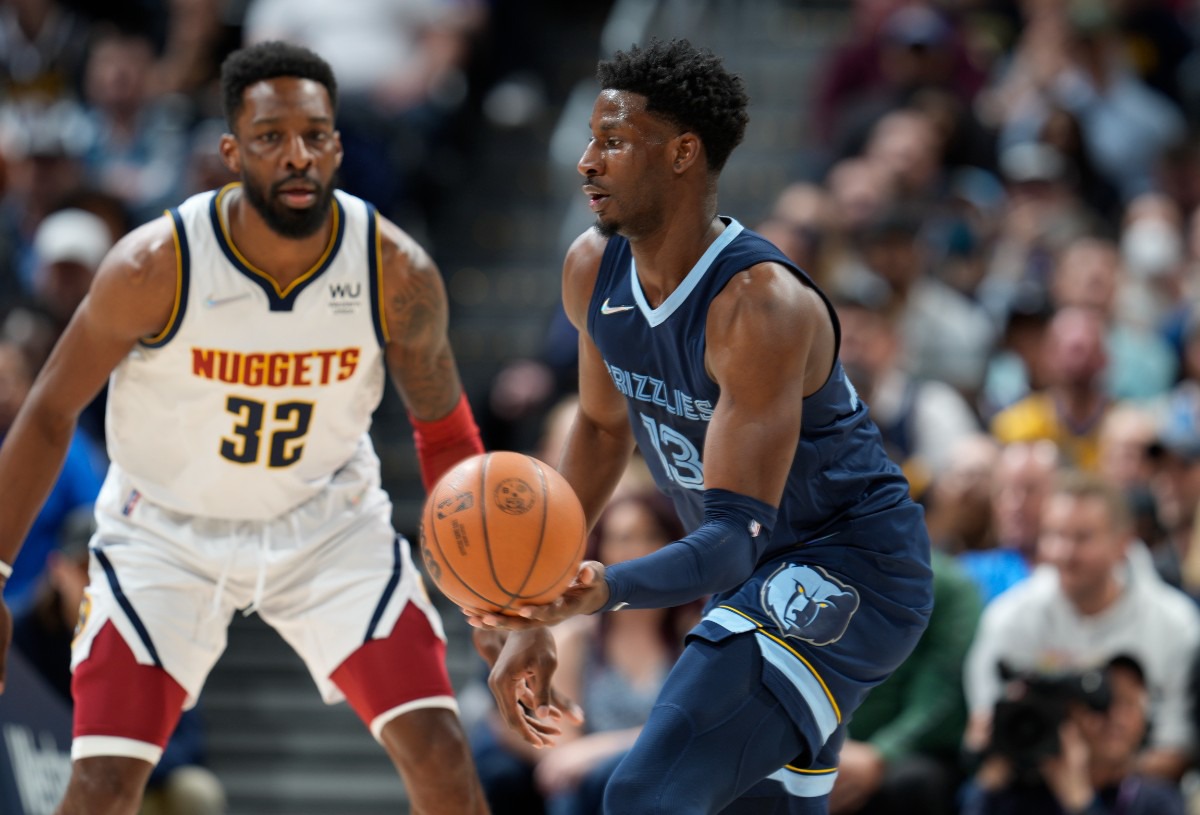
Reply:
x=520, y=681
x=5, y=638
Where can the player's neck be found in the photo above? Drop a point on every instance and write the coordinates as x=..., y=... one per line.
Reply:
x=284, y=259
x=665, y=256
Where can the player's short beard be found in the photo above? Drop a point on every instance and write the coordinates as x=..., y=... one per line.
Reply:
x=285, y=220
x=607, y=230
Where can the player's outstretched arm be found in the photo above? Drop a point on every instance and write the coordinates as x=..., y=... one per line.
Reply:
x=419, y=357
x=132, y=297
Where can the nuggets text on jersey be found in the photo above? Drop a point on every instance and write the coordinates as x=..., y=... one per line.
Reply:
x=276, y=369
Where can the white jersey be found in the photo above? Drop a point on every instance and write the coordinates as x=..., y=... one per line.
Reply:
x=253, y=396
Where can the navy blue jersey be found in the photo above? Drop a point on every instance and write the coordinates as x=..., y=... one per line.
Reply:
x=655, y=356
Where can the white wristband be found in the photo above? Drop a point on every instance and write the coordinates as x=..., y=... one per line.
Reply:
x=5, y=570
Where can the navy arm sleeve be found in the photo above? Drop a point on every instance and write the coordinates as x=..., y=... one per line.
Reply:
x=717, y=556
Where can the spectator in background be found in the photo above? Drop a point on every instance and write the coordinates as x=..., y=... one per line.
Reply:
x=1068, y=58
x=46, y=150
x=946, y=336
x=1153, y=256
x=68, y=247
x=140, y=142
x=1023, y=474
x=1069, y=410
x=1062, y=132
x=1017, y=365
x=1087, y=605
x=41, y=49
x=1127, y=438
x=76, y=487
x=861, y=191
x=1042, y=214
x=399, y=65
x=921, y=420
x=1175, y=485
x=179, y=784
x=527, y=387
x=199, y=35
x=1140, y=362
x=898, y=50
x=958, y=503
x=906, y=143
x=1095, y=771
x=801, y=224
x=903, y=749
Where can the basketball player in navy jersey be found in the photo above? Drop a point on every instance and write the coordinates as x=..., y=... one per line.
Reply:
x=249, y=333
x=704, y=346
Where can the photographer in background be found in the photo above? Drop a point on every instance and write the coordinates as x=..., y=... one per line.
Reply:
x=1080, y=735
x=1084, y=606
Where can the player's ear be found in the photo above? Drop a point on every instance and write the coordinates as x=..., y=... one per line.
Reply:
x=231, y=155
x=339, y=152
x=687, y=151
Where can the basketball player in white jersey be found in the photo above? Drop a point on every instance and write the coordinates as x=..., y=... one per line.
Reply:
x=247, y=333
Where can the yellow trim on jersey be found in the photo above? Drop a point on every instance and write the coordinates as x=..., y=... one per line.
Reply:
x=333, y=233
x=178, y=283
x=809, y=770
x=837, y=711
x=383, y=323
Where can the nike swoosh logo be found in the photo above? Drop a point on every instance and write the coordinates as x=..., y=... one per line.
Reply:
x=213, y=302
x=607, y=309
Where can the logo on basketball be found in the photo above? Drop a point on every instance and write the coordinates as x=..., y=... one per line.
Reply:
x=456, y=503
x=431, y=564
x=514, y=496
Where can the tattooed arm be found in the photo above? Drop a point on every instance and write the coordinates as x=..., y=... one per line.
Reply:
x=419, y=357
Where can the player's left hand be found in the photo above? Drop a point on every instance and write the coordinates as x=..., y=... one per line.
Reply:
x=586, y=595
x=521, y=682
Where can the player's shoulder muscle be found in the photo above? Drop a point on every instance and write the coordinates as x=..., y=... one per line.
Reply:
x=413, y=292
x=768, y=306
x=138, y=282
x=580, y=269
x=771, y=296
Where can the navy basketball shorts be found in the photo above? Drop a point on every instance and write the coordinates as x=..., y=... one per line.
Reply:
x=752, y=717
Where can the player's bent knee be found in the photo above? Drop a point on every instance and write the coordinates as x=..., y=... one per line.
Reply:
x=105, y=785
x=427, y=741
x=388, y=678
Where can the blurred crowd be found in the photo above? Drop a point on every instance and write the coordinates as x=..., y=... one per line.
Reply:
x=1002, y=198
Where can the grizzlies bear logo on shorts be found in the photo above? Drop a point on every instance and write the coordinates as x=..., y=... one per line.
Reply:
x=808, y=604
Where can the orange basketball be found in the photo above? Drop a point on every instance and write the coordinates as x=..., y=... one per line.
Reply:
x=502, y=530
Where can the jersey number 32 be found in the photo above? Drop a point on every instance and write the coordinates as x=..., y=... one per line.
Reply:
x=283, y=432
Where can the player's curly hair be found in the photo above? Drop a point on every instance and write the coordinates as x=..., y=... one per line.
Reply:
x=269, y=60
x=687, y=86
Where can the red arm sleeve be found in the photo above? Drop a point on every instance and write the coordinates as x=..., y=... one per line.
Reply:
x=444, y=442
